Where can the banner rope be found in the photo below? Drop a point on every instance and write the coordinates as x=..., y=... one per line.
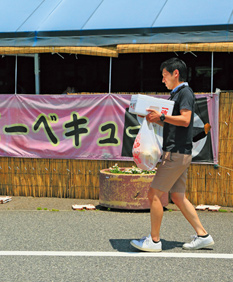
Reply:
x=225, y=167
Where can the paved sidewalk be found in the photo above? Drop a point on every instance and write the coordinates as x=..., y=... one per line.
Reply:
x=35, y=203
x=62, y=204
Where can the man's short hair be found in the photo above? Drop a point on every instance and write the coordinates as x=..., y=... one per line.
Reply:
x=173, y=64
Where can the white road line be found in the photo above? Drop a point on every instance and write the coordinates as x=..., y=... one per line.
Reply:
x=116, y=254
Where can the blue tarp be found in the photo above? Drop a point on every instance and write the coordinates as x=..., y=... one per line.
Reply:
x=111, y=22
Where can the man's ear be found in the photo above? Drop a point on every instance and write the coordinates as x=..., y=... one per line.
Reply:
x=176, y=73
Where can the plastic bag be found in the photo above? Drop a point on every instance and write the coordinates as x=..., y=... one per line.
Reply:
x=146, y=148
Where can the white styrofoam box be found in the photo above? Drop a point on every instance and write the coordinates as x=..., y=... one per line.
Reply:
x=139, y=103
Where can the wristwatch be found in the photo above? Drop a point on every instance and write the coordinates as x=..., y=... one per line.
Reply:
x=162, y=117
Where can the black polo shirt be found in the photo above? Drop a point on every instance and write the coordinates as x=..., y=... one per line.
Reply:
x=179, y=138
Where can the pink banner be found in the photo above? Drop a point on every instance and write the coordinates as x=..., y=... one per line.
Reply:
x=72, y=126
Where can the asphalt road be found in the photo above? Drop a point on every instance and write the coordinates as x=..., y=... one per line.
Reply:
x=94, y=246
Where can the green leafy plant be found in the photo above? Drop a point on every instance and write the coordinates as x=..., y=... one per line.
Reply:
x=133, y=170
x=54, y=210
x=222, y=210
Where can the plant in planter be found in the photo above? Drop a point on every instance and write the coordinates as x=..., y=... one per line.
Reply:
x=128, y=170
x=126, y=188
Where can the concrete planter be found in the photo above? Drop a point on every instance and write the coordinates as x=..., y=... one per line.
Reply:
x=125, y=191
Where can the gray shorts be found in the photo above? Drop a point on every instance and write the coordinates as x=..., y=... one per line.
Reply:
x=172, y=172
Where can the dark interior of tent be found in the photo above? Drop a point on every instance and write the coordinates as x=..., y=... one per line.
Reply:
x=140, y=72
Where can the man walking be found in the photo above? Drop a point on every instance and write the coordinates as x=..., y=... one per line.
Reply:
x=177, y=155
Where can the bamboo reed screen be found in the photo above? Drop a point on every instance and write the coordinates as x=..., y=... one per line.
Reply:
x=210, y=185
x=80, y=178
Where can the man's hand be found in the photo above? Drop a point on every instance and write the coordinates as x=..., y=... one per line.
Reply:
x=153, y=115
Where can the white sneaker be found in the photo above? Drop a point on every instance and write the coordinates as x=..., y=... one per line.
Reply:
x=146, y=244
x=199, y=243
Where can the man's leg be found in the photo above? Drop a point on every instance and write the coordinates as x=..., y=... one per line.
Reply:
x=156, y=212
x=152, y=243
x=189, y=212
x=203, y=239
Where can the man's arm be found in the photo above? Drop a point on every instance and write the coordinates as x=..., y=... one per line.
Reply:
x=181, y=120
